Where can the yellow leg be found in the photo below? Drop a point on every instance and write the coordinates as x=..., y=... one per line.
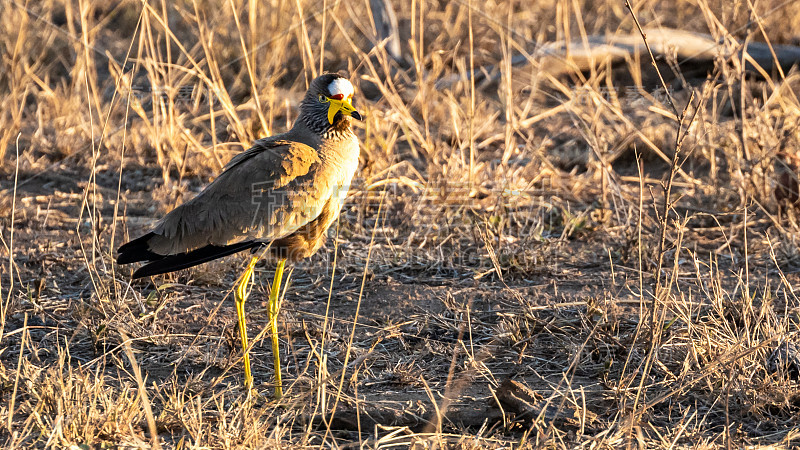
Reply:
x=241, y=294
x=274, y=307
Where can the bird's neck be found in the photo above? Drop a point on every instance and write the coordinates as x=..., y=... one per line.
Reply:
x=338, y=131
x=332, y=143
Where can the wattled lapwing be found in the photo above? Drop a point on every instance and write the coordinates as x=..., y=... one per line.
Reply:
x=282, y=194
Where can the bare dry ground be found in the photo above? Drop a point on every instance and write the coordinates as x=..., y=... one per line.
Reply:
x=539, y=255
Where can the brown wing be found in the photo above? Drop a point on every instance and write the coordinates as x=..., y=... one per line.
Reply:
x=265, y=193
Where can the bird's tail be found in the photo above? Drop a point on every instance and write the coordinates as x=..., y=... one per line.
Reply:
x=137, y=250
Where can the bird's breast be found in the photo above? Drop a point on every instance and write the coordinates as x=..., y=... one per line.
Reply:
x=340, y=162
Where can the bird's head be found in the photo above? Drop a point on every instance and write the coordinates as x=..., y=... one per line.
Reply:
x=329, y=100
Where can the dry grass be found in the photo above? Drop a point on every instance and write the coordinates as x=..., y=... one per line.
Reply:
x=506, y=227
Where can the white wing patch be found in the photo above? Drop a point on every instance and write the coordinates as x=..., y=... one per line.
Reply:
x=341, y=86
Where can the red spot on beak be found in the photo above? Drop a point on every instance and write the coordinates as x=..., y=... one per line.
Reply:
x=338, y=96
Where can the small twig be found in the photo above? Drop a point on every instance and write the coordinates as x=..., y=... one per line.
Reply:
x=16, y=376
x=137, y=373
x=4, y=304
x=653, y=60
x=655, y=335
x=673, y=166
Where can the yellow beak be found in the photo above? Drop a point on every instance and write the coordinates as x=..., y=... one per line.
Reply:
x=344, y=106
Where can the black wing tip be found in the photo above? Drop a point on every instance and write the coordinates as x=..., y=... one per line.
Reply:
x=164, y=264
x=128, y=258
x=137, y=250
x=146, y=271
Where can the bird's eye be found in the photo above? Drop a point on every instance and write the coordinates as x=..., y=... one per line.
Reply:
x=322, y=98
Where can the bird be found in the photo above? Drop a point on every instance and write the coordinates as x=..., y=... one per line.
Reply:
x=278, y=199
